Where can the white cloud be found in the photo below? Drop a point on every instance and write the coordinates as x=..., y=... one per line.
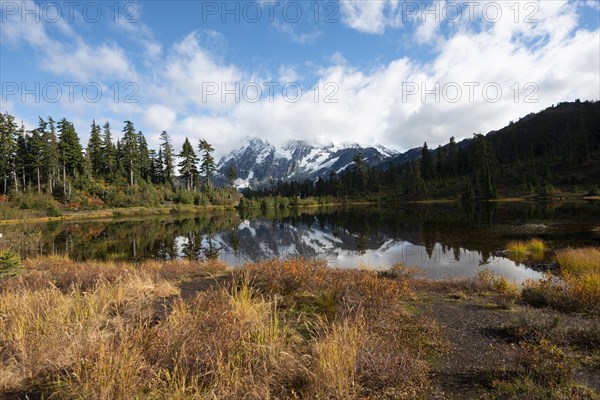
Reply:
x=71, y=56
x=371, y=16
x=372, y=106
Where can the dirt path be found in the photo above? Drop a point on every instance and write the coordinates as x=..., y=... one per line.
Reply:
x=478, y=351
x=476, y=354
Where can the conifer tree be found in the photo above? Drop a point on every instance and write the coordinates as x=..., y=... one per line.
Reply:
x=187, y=166
x=167, y=158
x=207, y=167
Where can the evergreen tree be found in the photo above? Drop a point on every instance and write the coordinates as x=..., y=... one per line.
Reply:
x=360, y=171
x=109, y=153
x=145, y=163
x=207, y=167
x=452, y=156
x=23, y=158
x=8, y=130
x=37, y=147
x=231, y=175
x=426, y=163
x=130, y=148
x=94, y=151
x=50, y=155
x=187, y=166
x=167, y=158
x=70, y=152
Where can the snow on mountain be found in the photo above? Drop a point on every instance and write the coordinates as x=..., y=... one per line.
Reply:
x=257, y=162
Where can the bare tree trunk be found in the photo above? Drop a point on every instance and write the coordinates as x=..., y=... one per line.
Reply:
x=16, y=181
x=64, y=180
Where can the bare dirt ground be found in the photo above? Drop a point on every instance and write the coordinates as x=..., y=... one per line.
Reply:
x=480, y=352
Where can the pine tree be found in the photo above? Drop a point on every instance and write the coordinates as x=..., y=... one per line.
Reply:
x=167, y=158
x=23, y=159
x=187, y=166
x=109, y=153
x=207, y=167
x=426, y=163
x=144, y=160
x=231, y=175
x=8, y=130
x=70, y=152
x=452, y=156
x=94, y=151
x=360, y=171
x=37, y=147
x=51, y=155
x=130, y=148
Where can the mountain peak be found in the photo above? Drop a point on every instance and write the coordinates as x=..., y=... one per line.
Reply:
x=257, y=162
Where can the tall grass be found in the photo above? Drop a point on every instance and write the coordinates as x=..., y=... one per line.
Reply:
x=517, y=249
x=520, y=250
x=577, y=261
x=278, y=329
x=535, y=246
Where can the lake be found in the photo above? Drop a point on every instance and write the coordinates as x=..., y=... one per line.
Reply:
x=445, y=240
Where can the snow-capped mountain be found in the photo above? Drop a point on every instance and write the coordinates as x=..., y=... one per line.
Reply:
x=257, y=162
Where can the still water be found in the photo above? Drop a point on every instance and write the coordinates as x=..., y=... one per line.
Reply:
x=443, y=240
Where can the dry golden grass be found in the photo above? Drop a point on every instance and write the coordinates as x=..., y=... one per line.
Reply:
x=520, y=250
x=278, y=329
x=517, y=249
x=577, y=261
x=535, y=246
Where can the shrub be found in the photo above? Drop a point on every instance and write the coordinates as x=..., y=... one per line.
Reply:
x=53, y=212
x=10, y=263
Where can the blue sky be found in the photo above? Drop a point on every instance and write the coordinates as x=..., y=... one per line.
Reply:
x=388, y=72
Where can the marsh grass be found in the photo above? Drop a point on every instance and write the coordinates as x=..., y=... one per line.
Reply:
x=578, y=288
x=578, y=261
x=520, y=250
x=517, y=249
x=277, y=329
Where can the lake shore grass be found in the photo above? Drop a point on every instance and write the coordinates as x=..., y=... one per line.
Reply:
x=120, y=212
x=282, y=329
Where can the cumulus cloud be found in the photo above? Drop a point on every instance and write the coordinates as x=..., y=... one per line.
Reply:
x=401, y=103
x=371, y=16
x=71, y=56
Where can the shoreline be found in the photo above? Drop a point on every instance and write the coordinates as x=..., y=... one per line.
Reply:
x=182, y=209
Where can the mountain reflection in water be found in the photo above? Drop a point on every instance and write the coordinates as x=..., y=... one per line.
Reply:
x=443, y=240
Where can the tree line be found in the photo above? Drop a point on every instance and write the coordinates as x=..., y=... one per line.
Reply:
x=51, y=159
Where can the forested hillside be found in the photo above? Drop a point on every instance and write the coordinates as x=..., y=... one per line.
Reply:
x=541, y=154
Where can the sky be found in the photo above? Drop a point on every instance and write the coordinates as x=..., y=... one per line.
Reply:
x=375, y=72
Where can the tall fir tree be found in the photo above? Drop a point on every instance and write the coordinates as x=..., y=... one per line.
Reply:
x=94, y=151
x=144, y=161
x=208, y=166
x=187, y=166
x=426, y=163
x=167, y=158
x=130, y=147
x=8, y=145
x=360, y=171
x=50, y=155
x=231, y=175
x=109, y=153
